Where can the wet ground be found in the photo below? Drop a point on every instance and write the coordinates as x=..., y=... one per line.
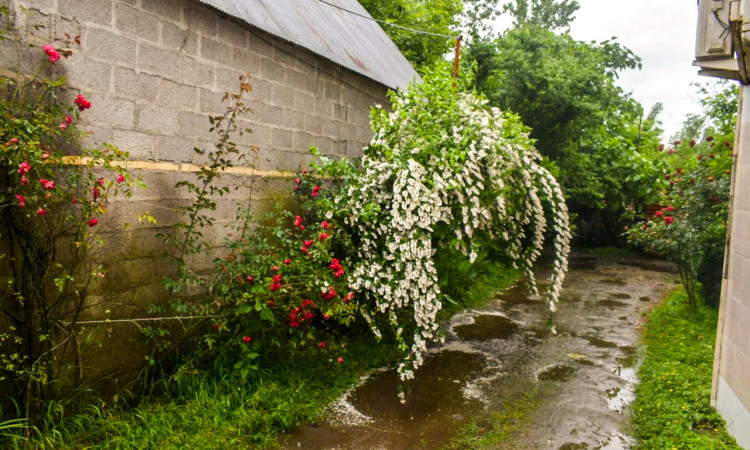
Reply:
x=496, y=355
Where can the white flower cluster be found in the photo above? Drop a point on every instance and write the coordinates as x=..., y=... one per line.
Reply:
x=470, y=178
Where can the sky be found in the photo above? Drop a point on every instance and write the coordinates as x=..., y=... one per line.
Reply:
x=662, y=33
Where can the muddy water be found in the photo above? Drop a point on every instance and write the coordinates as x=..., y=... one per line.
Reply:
x=504, y=351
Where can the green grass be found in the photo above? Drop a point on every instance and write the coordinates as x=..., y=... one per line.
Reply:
x=203, y=411
x=672, y=407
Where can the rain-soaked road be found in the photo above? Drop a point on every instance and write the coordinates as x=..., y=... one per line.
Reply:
x=503, y=352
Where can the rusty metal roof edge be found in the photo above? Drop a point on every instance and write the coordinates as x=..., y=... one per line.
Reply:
x=231, y=9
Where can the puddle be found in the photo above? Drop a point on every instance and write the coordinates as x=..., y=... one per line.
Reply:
x=599, y=342
x=559, y=373
x=612, y=303
x=494, y=356
x=486, y=327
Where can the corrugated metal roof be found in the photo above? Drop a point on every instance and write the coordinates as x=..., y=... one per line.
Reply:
x=357, y=43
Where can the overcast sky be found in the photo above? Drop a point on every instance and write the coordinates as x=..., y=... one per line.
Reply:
x=662, y=33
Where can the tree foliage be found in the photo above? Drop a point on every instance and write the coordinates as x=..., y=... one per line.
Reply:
x=547, y=14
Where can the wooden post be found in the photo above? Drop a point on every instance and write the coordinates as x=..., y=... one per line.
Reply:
x=455, y=61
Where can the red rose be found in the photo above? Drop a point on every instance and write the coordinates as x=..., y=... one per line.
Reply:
x=315, y=191
x=52, y=54
x=21, y=200
x=691, y=143
x=24, y=180
x=247, y=339
x=325, y=225
x=93, y=222
x=24, y=168
x=120, y=179
x=658, y=213
x=47, y=184
x=275, y=268
x=668, y=220
x=298, y=221
x=661, y=147
x=322, y=344
x=323, y=236
x=287, y=261
x=670, y=208
x=297, y=181
x=82, y=103
x=339, y=360
x=41, y=212
x=303, y=249
x=308, y=243
x=249, y=279
x=68, y=119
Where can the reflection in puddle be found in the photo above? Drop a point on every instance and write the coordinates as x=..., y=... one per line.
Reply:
x=486, y=327
x=611, y=303
x=557, y=373
x=599, y=342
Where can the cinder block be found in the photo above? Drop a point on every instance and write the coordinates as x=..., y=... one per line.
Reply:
x=106, y=46
x=178, y=39
x=282, y=95
x=158, y=61
x=245, y=61
x=340, y=112
x=324, y=108
x=302, y=141
x=260, y=137
x=202, y=19
x=227, y=80
x=194, y=125
x=293, y=120
x=195, y=73
x=323, y=143
x=137, y=85
x=167, y=9
x=110, y=110
x=260, y=42
x=136, y=22
x=175, y=149
x=233, y=33
x=177, y=96
x=333, y=91
x=332, y=128
x=261, y=90
x=210, y=102
x=313, y=124
x=268, y=114
x=304, y=103
x=88, y=75
x=301, y=81
x=283, y=139
x=141, y=146
x=271, y=70
x=158, y=120
x=215, y=50
x=87, y=11
x=285, y=54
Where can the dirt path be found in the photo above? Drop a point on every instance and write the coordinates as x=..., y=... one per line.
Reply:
x=573, y=387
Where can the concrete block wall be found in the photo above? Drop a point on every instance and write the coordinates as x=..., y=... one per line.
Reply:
x=154, y=70
x=731, y=381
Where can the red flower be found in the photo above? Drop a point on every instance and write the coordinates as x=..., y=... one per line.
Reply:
x=120, y=179
x=325, y=225
x=24, y=168
x=322, y=344
x=308, y=243
x=309, y=316
x=328, y=295
x=658, y=213
x=349, y=296
x=323, y=236
x=336, y=267
x=45, y=156
x=315, y=191
x=668, y=220
x=302, y=228
x=247, y=339
x=670, y=151
x=40, y=212
x=298, y=221
x=339, y=360
x=100, y=181
x=13, y=141
x=661, y=147
x=306, y=303
x=21, y=200
x=216, y=326
x=287, y=261
x=304, y=171
x=709, y=138
x=82, y=102
x=249, y=279
x=304, y=249
x=294, y=324
x=677, y=142
x=297, y=181
x=63, y=126
x=93, y=222
x=276, y=278
x=670, y=208
x=275, y=268
x=276, y=284
x=326, y=316
x=68, y=119
x=47, y=184
x=97, y=193
x=667, y=176
x=691, y=143
x=52, y=54
x=24, y=180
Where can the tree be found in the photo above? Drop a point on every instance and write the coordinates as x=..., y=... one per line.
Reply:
x=583, y=122
x=436, y=16
x=548, y=14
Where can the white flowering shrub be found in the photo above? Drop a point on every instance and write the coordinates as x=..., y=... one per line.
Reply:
x=443, y=170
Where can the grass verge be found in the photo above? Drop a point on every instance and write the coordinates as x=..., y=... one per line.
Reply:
x=202, y=411
x=672, y=407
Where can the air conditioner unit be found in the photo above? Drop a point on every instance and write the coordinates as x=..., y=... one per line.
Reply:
x=714, y=47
